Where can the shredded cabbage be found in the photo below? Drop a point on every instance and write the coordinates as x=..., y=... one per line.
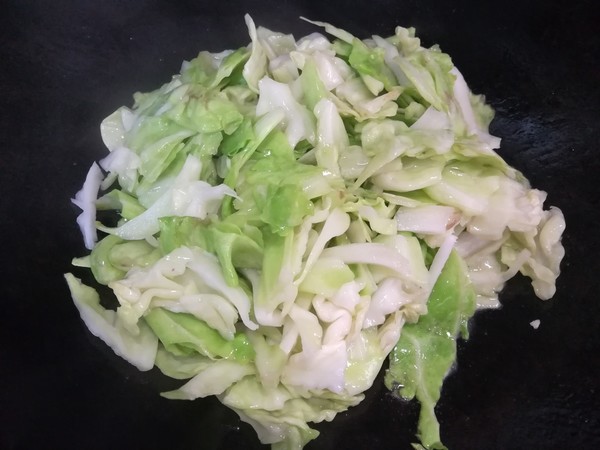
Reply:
x=294, y=212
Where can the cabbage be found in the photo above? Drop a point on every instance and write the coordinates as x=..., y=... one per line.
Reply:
x=290, y=214
x=139, y=349
x=427, y=349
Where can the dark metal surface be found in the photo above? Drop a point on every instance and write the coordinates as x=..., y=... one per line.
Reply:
x=66, y=65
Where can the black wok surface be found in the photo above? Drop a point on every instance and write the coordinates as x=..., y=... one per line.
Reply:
x=65, y=65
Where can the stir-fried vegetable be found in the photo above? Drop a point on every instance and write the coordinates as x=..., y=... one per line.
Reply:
x=293, y=212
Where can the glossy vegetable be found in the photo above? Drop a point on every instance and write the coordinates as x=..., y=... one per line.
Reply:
x=286, y=208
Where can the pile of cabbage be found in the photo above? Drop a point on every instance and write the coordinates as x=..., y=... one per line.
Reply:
x=292, y=213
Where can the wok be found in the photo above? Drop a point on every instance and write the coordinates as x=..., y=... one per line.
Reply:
x=65, y=65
